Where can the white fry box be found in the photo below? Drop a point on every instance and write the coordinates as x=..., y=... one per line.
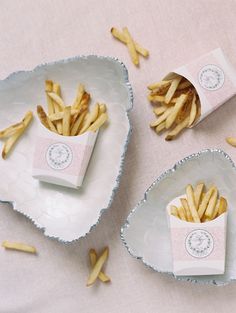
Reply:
x=197, y=248
x=62, y=160
x=213, y=77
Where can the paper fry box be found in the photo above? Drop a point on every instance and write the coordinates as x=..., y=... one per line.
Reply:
x=213, y=77
x=62, y=160
x=197, y=248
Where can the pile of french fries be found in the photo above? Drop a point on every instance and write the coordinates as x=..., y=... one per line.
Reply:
x=71, y=120
x=134, y=48
x=201, y=205
x=12, y=134
x=97, y=265
x=176, y=105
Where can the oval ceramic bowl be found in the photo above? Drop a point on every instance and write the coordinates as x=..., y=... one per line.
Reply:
x=146, y=234
x=64, y=213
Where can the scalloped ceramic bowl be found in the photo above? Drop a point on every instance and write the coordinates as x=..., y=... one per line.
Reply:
x=64, y=213
x=146, y=234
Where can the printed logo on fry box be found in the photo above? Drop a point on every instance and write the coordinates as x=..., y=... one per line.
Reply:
x=213, y=77
x=197, y=248
x=62, y=160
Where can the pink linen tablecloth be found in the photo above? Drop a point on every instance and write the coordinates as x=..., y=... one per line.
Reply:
x=34, y=32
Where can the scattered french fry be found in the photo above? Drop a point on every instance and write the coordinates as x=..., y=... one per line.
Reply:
x=11, y=141
x=120, y=36
x=231, y=141
x=18, y=246
x=97, y=267
x=7, y=132
x=93, y=259
x=131, y=46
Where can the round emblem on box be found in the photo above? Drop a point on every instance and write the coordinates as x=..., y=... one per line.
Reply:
x=211, y=77
x=59, y=156
x=199, y=243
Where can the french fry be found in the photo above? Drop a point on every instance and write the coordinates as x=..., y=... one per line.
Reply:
x=99, y=122
x=79, y=95
x=173, y=133
x=160, y=127
x=162, y=83
x=18, y=246
x=193, y=111
x=11, y=141
x=131, y=46
x=184, y=85
x=59, y=116
x=198, y=193
x=161, y=118
x=91, y=118
x=181, y=213
x=97, y=268
x=45, y=119
x=57, y=90
x=93, y=259
x=178, y=106
x=49, y=88
x=231, y=141
x=57, y=99
x=211, y=204
x=191, y=204
x=170, y=93
x=222, y=206
x=77, y=124
x=102, y=108
x=174, y=211
x=66, y=121
x=120, y=36
x=7, y=132
x=185, y=205
x=160, y=110
x=204, y=203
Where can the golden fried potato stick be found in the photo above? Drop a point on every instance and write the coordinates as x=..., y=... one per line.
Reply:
x=198, y=194
x=120, y=36
x=184, y=203
x=191, y=204
x=162, y=117
x=161, y=99
x=222, y=206
x=56, y=98
x=211, y=204
x=57, y=90
x=184, y=85
x=102, y=108
x=173, y=133
x=160, y=110
x=131, y=46
x=162, y=83
x=91, y=118
x=178, y=106
x=97, y=267
x=160, y=127
x=45, y=119
x=93, y=259
x=59, y=116
x=75, y=127
x=174, y=211
x=231, y=141
x=215, y=212
x=193, y=112
x=11, y=141
x=7, y=132
x=79, y=95
x=205, y=201
x=181, y=213
x=171, y=91
x=49, y=88
x=66, y=121
x=98, y=123
x=18, y=246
